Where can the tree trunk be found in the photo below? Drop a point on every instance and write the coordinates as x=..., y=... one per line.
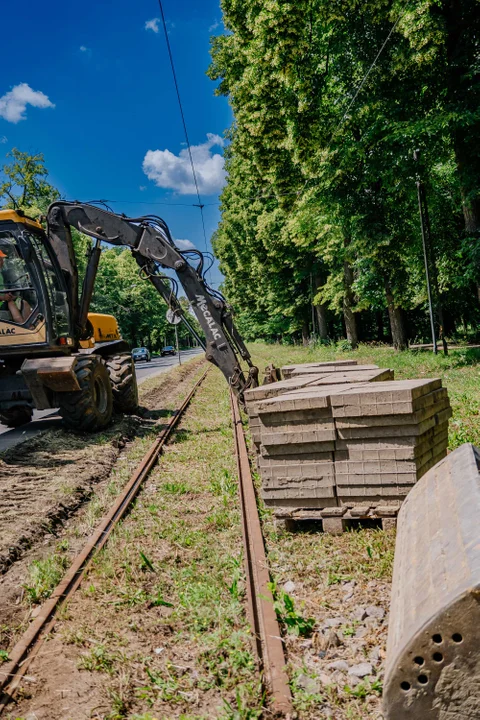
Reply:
x=396, y=321
x=305, y=334
x=348, y=301
x=321, y=311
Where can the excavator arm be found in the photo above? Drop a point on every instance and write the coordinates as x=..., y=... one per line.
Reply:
x=153, y=248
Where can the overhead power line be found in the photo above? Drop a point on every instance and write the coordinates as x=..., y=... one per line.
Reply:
x=182, y=115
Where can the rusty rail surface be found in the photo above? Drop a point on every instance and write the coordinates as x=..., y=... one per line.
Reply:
x=261, y=609
x=29, y=644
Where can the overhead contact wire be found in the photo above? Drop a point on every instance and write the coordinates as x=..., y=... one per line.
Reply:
x=182, y=115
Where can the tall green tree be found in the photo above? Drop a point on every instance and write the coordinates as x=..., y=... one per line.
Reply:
x=332, y=169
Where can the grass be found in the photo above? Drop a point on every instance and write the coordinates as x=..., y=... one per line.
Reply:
x=44, y=575
x=159, y=624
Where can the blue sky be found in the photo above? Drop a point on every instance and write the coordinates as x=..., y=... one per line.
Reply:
x=104, y=110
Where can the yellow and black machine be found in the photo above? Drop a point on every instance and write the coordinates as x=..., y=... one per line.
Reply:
x=54, y=352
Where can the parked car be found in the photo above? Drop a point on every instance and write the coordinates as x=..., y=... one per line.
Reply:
x=168, y=350
x=141, y=353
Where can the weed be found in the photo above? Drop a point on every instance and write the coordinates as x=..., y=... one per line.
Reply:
x=45, y=576
x=3, y=656
x=365, y=688
x=306, y=697
x=241, y=710
x=175, y=488
x=158, y=601
x=146, y=564
x=349, y=630
x=286, y=613
x=98, y=659
x=224, y=484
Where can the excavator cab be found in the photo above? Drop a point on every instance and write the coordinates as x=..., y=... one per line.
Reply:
x=34, y=307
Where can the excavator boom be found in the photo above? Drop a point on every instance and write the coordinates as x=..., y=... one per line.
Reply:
x=153, y=248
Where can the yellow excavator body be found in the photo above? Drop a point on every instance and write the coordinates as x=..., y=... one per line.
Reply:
x=104, y=329
x=18, y=217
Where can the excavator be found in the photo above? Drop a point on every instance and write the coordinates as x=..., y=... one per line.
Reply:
x=55, y=353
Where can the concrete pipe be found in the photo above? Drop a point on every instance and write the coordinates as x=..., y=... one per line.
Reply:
x=433, y=650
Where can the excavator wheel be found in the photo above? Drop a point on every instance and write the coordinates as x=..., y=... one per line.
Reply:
x=91, y=407
x=121, y=369
x=16, y=416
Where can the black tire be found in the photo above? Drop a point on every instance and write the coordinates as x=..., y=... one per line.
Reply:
x=91, y=407
x=16, y=416
x=123, y=378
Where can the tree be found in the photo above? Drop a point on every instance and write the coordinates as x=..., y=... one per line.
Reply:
x=24, y=186
x=324, y=174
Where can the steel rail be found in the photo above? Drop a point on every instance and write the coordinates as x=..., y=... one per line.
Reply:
x=29, y=644
x=261, y=610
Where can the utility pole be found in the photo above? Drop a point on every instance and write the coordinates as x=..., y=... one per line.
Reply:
x=313, y=308
x=430, y=264
x=178, y=347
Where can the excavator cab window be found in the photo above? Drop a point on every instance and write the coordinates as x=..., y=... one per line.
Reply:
x=18, y=295
x=54, y=286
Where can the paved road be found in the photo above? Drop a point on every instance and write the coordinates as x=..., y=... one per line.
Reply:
x=44, y=419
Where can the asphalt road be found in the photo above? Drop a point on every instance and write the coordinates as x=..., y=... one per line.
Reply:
x=44, y=419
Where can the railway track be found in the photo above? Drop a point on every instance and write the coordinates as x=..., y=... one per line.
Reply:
x=261, y=612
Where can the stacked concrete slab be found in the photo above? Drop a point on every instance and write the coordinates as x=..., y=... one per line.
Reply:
x=326, y=444
x=318, y=371
x=300, y=371
x=387, y=438
x=297, y=433
x=269, y=391
x=288, y=370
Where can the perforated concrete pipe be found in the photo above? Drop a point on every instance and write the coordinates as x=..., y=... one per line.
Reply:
x=433, y=650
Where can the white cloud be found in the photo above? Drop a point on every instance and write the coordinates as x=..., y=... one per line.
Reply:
x=184, y=244
x=214, y=25
x=3, y=139
x=14, y=103
x=168, y=170
x=142, y=188
x=152, y=24
x=83, y=48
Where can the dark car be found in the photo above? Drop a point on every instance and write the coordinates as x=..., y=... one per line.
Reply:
x=168, y=350
x=141, y=353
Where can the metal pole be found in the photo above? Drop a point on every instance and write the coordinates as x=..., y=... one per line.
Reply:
x=313, y=307
x=425, y=257
x=178, y=346
x=433, y=266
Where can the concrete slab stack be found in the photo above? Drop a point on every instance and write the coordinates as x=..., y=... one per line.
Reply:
x=296, y=432
x=325, y=373
x=264, y=392
x=354, y=442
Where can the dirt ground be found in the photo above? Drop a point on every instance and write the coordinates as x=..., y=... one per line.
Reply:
x=55, y=487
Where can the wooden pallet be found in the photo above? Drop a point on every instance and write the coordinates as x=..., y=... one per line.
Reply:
x=335, y=520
